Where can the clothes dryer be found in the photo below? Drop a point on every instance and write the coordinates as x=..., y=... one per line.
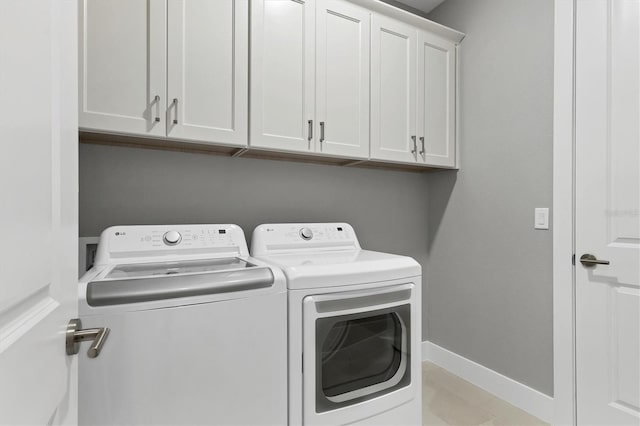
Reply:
x=354, y=326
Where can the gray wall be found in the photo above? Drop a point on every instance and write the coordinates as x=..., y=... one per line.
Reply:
x=400, y=5
x=489, y=272
x=121, y=186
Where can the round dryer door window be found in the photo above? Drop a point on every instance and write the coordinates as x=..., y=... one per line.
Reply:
x=361, y=356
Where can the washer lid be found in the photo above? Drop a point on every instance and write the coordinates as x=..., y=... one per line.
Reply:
x=155, y=269
x=349, y=267
x=137, y=289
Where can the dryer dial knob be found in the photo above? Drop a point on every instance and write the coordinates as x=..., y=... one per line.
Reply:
x=306, y=234
x=172, y=238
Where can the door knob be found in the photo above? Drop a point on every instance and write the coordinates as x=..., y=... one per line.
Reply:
x=75, y=335
x=590, y=261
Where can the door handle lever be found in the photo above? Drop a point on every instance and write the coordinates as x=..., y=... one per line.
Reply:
x=591, y=261
x=75, y=335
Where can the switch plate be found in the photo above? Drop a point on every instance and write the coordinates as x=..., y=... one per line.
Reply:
x=541, y=218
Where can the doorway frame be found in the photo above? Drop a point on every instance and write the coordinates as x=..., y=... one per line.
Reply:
x=564, y=372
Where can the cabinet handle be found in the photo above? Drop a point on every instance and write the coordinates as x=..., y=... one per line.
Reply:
x=175, y=105
x=322, y=131
x=310, y=132
x=157, y=102
x=415, y=145
x=422, y=142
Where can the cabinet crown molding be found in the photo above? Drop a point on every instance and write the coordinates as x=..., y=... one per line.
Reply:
x=419, y=22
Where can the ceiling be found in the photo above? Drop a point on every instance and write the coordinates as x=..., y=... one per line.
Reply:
x=424, y=6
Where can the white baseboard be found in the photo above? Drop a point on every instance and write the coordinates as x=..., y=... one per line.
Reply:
x=530, y=400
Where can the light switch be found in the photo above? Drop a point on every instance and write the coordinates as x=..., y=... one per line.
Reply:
x=541, y=220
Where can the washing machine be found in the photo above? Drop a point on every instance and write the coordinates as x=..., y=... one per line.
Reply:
x=354, y=326
x=198, y=330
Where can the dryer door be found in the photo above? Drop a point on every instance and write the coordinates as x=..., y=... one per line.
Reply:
x=357, y=348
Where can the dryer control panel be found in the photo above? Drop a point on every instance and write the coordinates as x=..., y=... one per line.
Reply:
x=122, y=242
x=284, y=237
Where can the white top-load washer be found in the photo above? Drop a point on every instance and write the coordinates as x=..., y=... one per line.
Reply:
x=354, y=326
x=198, y=330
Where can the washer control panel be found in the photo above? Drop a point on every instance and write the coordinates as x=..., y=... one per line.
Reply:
x=152, y=240
x=272, y=238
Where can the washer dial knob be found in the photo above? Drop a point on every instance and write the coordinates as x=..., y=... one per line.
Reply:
x=172, y=238
x=306, y=234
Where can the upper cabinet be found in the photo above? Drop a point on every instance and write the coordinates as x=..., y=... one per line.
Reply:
x=310, y=77
x=413, y=94
x=283, y=74
x=342, y=78
x=393, y=90
x=350, y=80
x=436, y=100
x=163, y=68
x=122, y=60
x=207, y=70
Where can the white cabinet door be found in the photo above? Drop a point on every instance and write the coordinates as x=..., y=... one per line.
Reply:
x=436, y=101
x=607, y=212
x=393, y=90
x=122, y=60
x=39, y=193
x=342, y=43
x=282, y=74
x=207, y=70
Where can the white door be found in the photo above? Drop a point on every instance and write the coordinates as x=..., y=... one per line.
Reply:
x=608, y=212
x=342, y=43
x=123, y=66
x=208, y=70
x=393, y=90
x=282, y=74
x=39, y=210
x=436, y=101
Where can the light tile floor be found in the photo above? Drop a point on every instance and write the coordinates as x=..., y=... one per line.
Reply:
x=449, y=400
